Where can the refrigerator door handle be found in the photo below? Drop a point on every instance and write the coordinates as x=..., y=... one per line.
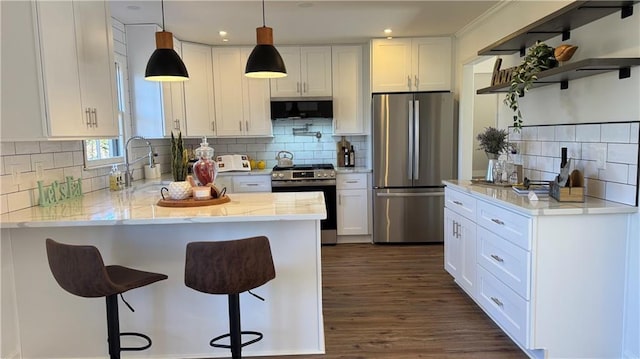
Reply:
x=414, y=194
x=416, y=140
x=410, y=147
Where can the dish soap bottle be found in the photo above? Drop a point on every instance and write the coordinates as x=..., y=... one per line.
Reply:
x=204, y=170
x=115, y=179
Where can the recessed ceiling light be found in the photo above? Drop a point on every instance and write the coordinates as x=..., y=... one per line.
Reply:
x=222, y=33
x=387, y=31
x=133, y=7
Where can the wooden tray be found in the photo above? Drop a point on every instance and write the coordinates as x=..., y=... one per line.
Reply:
x=190, y=202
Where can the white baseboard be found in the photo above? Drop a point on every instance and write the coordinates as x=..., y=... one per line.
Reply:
x=354, y=239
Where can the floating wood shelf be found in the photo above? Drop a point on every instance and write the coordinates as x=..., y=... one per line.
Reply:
x=562, y=22
x=575, y=70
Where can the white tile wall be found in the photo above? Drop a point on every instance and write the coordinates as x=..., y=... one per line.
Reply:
x=540, y=148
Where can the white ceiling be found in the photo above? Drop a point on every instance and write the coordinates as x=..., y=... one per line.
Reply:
x=302, y=22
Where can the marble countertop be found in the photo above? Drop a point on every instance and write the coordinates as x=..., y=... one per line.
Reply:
x=545, y=206
x=138, y=205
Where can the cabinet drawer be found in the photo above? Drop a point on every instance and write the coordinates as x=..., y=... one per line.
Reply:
x=351, y=181
x=509, y=225
x=460, y=203
x=251, y=184
x=504, y=306
x=508, y=262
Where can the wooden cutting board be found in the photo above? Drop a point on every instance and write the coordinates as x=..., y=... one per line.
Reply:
x=190, y=202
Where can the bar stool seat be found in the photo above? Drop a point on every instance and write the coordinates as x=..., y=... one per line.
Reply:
x=230, y=267
x=80, y=270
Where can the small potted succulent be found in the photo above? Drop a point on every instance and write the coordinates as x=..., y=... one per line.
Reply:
x=180, y=188
x=539, y=58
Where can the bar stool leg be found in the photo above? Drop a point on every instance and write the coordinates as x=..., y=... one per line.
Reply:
x=113, y=327
x=234, y=326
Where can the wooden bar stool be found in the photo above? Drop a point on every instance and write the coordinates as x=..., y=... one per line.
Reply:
x=230, y=267
x=80, y=270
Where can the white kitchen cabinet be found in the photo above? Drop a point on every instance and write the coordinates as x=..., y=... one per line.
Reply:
x=157, y=108
x=460, y=240
x=308, y=72
x=352, y=204
x=242, y=104
x=411, y=64
x=543, y=269
x=241, y=183
x=348, y=109
x=71, y=51
x=198, y=90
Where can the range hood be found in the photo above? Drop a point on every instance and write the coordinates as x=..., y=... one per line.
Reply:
x=301, y=108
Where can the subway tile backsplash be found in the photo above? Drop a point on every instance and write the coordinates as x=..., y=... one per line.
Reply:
x=540, y=151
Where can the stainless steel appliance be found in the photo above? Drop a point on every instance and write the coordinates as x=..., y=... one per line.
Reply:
x=414, y=148
x=308, y=178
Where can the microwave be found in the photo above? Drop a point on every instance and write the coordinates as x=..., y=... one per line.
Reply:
x=293, y=109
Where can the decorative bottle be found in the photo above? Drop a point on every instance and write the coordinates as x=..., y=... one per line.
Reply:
x=352, y=157
x=204, y=170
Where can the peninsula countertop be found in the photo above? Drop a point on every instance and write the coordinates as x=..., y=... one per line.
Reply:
x=138, y=205
x=545, y=206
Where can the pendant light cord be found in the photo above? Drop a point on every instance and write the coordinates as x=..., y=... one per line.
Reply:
x=162, y=6
x=263, y=22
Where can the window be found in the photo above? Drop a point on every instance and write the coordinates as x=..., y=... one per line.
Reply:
x=106, y=152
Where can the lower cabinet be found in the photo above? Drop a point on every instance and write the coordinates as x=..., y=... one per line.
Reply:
x=552, y=280
x=352, y=204
x=241, y=183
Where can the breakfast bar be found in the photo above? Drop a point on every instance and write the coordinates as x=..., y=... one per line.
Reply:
x=41, y=320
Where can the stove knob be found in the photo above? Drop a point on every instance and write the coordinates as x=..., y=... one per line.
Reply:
x=325, y=175
x=274, y=175
x=332, y=174
x=280, y=175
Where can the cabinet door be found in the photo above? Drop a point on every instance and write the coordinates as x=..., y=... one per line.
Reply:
x=348, y=118
x=315, y=71
x=352, y=216
x=256, y=102
x=58, y=49
x=227, y=75
x=198, y=90
x=173, y=99
x=391, y=65
x=431, y=64
x=96, y=66
x=467, y=273
x=290, y=85
x=452, y=246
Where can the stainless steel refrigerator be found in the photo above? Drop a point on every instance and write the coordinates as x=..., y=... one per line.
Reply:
x=415, y=147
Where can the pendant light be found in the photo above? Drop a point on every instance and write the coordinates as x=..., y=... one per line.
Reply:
x=265, y=61
x=164, y=63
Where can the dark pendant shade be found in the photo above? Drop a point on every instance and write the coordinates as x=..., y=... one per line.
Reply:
x=265, y=62
x=165, y=65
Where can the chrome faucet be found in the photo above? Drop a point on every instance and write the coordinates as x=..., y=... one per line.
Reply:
x=128, y=173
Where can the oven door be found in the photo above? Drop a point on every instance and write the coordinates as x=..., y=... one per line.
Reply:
x=328, y=188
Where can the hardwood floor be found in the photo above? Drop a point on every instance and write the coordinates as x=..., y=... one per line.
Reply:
x=397, y=301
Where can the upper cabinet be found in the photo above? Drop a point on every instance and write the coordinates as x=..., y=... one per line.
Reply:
x=198, y=90
x=71, y=50
x=157, y=108
x=348, y=109
x=418, y=64
x=308, y=72
x=242, y=104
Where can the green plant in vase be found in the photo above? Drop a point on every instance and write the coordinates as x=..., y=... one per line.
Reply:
x=179, y=158
x=493, y=141
x=540, y=57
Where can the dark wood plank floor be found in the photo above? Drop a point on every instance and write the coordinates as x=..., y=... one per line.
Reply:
x=397, y=301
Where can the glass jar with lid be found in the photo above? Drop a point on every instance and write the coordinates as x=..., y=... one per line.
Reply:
x=204, y=170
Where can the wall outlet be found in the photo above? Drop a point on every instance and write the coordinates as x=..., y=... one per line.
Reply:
x=601, y=156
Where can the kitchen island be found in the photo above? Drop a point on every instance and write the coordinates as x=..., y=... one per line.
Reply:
x=41, y=320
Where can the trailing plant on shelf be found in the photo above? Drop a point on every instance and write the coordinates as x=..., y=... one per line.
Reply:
x=493, y=141
x=179, y=158
x=538, y=58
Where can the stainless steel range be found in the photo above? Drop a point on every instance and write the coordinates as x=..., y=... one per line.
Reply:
x=309, y=178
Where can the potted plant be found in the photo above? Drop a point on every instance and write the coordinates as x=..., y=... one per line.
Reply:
x=493, y=141
x=179, y=188
x=539, y=58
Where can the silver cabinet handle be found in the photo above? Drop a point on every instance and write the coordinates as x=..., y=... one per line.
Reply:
x=415, y=83
x=246, y=126
x=455, y=229
x=459, y=226
x=410, y=144
x=416, y=140
x=497, y=301
x=497, y=258
x=87, y=113
x=458, y=203
x=350, y=181
x=409, y=82
x=298, y=87
x=340, y=200
x=497, y=221
x=304, y=87
x=94, y=112
x=251, y=184
x=240, y=125
x=213, y=126
x=176, y=124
